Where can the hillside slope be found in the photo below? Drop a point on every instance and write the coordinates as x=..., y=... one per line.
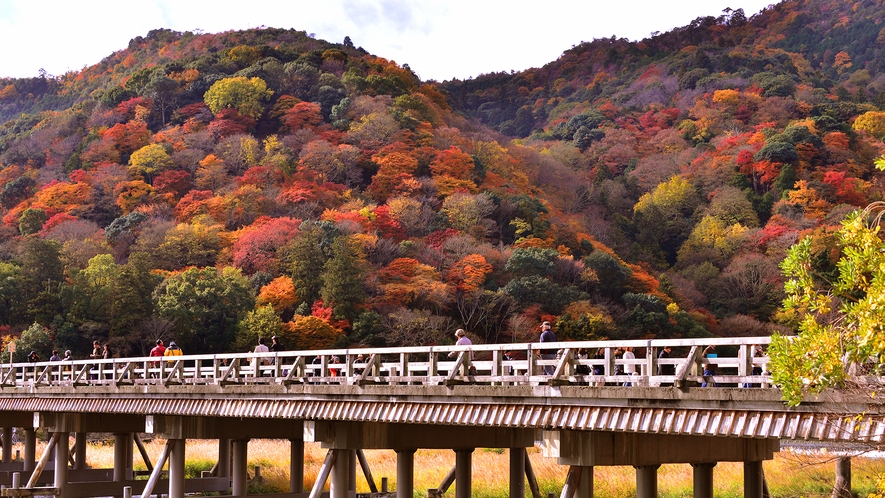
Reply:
x=217, y=187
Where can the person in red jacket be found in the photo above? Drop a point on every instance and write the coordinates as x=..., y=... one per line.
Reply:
x=158, y=350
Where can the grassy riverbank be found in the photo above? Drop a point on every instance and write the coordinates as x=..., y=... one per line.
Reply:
x=789, y=475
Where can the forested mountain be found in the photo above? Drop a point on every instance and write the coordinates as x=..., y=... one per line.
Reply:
x=211, y=188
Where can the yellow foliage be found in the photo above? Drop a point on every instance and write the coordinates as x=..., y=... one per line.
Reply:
x=872, y=122
x=727, y=97
x=312, y=332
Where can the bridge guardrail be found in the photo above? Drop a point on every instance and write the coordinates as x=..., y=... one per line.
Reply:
x=434, y=365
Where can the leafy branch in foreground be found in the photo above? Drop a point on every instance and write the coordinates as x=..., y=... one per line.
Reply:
x=841, y=320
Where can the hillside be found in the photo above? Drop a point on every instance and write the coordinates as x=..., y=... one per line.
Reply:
x=213, y=188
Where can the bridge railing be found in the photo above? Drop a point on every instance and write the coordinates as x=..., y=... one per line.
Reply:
x=736, y=363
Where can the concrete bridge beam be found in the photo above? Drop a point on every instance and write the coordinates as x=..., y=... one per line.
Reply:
x=203, y=427
x=373, y=435
x=596, y=448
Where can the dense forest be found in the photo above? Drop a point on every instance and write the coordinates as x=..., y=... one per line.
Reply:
x=213, y=188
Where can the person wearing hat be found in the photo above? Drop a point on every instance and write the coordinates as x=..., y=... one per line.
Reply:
x=275, y=345
x=173, y=350
x=547, y=335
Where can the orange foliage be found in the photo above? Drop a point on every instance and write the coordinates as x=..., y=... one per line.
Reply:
x=407, y=281
x=279, y=293
x=313, y=333
x=61, y=197
x=452, y=162
x=131, y=194
x=192, y=204
x=468, y=274
x=302, y=115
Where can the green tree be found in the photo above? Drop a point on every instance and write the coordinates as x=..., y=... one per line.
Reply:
x=31, y=221
x=528, y=261
x=206, y=305
x=133, y=285
x=613, y=276
x=42, y=278
x=163, y=90
x=662, y=217
x=36, y=338
x=10, y=293
x=841, y=320
x=243, y=94
x=95, y=294
x=305, y=257
x=149, y=160
x=343, y=276
x=536, y=289
x=264, y=322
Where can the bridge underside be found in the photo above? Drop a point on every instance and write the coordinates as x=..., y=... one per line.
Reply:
x=582, y=427
x=743, y=413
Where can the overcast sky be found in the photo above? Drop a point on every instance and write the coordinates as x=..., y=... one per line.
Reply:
x=439, y=39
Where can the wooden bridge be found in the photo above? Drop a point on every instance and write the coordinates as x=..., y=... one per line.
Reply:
x=582, y=405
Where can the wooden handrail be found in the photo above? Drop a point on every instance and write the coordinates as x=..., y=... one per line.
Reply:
x=414, y=364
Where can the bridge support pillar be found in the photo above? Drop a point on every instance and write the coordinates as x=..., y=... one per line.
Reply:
x=517, y=472
x=7, y=444
x=30, y=449
x=405, y=473
x=339, y=485
x=122, y=456
x=702, y=474
x=585, y=484
x=240, y=479
x=61, y=462
x=223, y=467
x=351, y=472
x=79, y=450
x=176, y=469
x=463, y=472
x=842, y=487
x=647, y=481
x=753, y=479
x=296, y=466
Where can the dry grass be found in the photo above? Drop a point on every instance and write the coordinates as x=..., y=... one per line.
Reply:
x=789, y=474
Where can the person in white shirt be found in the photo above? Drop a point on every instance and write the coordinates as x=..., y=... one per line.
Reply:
x=261, y=348
x=629, y=368
x=463, y=340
